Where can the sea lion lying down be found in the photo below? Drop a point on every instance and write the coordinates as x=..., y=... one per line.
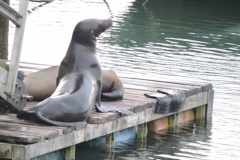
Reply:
x=42, y=84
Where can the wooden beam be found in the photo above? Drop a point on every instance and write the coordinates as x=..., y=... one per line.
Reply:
x=201, y=112
x=210, y=103
x=10, y=13
x=17, y=47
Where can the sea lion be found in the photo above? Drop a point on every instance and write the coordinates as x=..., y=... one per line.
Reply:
x=79, y=80
x=42, y=84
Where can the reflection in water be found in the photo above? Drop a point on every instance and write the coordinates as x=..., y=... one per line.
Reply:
x=165, y=39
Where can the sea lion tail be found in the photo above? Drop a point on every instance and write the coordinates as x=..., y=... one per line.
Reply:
x=56, y=123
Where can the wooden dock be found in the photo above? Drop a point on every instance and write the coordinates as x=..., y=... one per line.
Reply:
x=23, y=140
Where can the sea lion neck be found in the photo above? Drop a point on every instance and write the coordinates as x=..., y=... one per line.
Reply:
x=84, y=45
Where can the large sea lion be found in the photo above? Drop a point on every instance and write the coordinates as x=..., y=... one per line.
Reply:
x=42, y=84
x=79, y=80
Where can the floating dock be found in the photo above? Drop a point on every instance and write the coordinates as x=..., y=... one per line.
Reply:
x=23, y=140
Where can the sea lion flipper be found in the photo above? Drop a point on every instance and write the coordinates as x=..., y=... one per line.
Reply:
x=123, y=112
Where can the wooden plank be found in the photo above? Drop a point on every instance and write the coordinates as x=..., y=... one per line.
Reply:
x=17, y=47
x=164, y=85
x=10, y=13
x=13, y=136
x=49, y=134
x=154, y=88
x=134, y=106
x=210, y=103
x=60, y=142
x=5, y=150
x=13, y=119
x=205, y=85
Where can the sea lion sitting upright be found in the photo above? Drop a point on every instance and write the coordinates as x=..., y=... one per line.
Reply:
x=42, y=84
x=79, y=80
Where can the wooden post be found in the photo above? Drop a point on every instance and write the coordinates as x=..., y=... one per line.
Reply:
x=173, y=122
x=201, y=116
x=19, y=153
x=110, y=141
x=142, y=131
x=142, y=136
x=201, y=112
x=70, y=153
x=210, y=104
x=17, y=47
x=109, y=146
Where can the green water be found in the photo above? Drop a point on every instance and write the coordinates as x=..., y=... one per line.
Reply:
x=189, y=39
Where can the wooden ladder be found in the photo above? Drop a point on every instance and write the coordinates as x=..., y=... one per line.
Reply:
x=19, y=19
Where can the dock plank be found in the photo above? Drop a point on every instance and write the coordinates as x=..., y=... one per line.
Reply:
x=204, y=84
x=20, y=137
x=47, y=133
x=131, y=105
x=11, y=118
x=154, y=86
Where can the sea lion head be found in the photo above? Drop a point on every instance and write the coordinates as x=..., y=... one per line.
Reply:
x=88, y=29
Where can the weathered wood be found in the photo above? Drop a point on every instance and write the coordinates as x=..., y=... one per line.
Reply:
x=13, y=136
x=201, y=112
x=210, y=103
x=70, y=152
x=19, y=152
x=49, y=134
x=142, y=131
x=110, y=141
x=205, y=85
x=190, y=90
x=10, y=13
x=96, y=130
x=173, y=120
x=51, y=145
x=13, y=119
x=134, y=106
x=5, y=150
x=17, y=47
x=141, y=117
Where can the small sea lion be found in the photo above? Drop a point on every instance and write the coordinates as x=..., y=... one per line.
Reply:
x=42, y=84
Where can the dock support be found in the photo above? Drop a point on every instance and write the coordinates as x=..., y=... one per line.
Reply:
x=142, y=136
x=142, y=131
x=173, y=122
x=109, y=142
x=201, y=112
x=210, y=104
x=19, y=153
x=109, y=146
x=201, y=116
x=70, y=153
